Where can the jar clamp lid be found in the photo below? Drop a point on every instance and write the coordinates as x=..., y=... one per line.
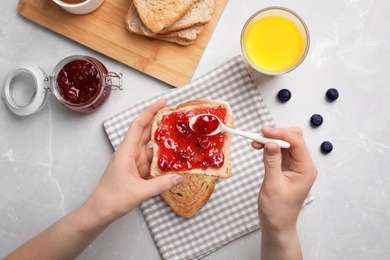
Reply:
x=25, y=91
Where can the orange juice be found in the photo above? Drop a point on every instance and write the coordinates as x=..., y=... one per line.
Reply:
x=274, y=43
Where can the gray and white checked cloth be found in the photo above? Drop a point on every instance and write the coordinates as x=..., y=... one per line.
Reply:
x=231, y=211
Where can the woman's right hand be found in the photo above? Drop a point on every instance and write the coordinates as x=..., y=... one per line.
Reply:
x=289, y=176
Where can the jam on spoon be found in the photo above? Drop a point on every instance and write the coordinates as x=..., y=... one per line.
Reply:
x=205, y=124
x=200, y=120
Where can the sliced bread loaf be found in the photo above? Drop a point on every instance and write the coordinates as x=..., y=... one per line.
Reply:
x=199, y=13
x=182, y=37
x=158, y=14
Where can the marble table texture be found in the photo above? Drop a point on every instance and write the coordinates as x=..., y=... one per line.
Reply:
x=51, y=161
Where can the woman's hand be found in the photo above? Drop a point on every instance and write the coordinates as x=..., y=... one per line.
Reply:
x=289, y=176
x=125, y=182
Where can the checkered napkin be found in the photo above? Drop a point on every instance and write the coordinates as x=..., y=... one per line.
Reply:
x=231, y=211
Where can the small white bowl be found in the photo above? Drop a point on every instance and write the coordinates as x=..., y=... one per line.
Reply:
x=81, y=8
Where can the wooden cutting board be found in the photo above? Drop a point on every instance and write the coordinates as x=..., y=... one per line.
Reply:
x=104, y=31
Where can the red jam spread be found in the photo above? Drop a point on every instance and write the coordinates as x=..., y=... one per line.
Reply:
x=205, y=125
x=80, y=83
x=182, y=149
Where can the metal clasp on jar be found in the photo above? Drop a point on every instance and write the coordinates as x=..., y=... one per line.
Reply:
x=114, y=80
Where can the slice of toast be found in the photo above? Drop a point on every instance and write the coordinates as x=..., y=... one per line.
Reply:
x=135, y=25
x=158, y=14
x=184, y=157
x=190, y=33
x=199, y=13
x=175, y=39
x=132, y=20
x=189, y=197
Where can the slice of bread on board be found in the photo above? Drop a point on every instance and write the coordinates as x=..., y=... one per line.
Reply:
x=132, y=20
x=182, y=37
x=199, y=13
x=190, y=196
x=190, y=33
x=158, y=14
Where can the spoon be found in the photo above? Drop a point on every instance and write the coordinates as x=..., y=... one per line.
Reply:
x=207, y=125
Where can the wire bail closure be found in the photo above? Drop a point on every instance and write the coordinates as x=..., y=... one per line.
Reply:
x=117, y=78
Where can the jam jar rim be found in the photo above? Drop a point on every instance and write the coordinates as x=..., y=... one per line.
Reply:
x=96, y=63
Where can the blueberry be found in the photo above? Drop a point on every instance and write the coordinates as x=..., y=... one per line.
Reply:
x=284, y=95
x=326, y=147
x=316, y=120
x=332, y=94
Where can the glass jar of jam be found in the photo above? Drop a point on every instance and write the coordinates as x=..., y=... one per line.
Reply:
x=80, y=83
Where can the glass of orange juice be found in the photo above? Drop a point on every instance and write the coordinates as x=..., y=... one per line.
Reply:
x=275, y=40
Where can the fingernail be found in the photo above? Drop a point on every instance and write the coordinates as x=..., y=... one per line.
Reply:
x=271, y=149
x=177, y=179
x=269, y=128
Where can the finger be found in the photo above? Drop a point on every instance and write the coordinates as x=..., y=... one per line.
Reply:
x=272, y=163
x=290, y=133
x=149, y=154
x=141, y=126
x=256, y=145
x=144, y=166
x=146, y=135
x=144, y=171
x=143, y=121
x=162, y=183
x=294, y=136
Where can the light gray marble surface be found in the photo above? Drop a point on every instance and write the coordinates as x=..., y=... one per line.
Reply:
x=51, y=161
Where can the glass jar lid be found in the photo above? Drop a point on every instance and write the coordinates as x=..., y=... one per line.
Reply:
x=25, y=90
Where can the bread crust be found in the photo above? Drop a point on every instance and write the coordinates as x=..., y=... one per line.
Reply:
x=222, y=172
